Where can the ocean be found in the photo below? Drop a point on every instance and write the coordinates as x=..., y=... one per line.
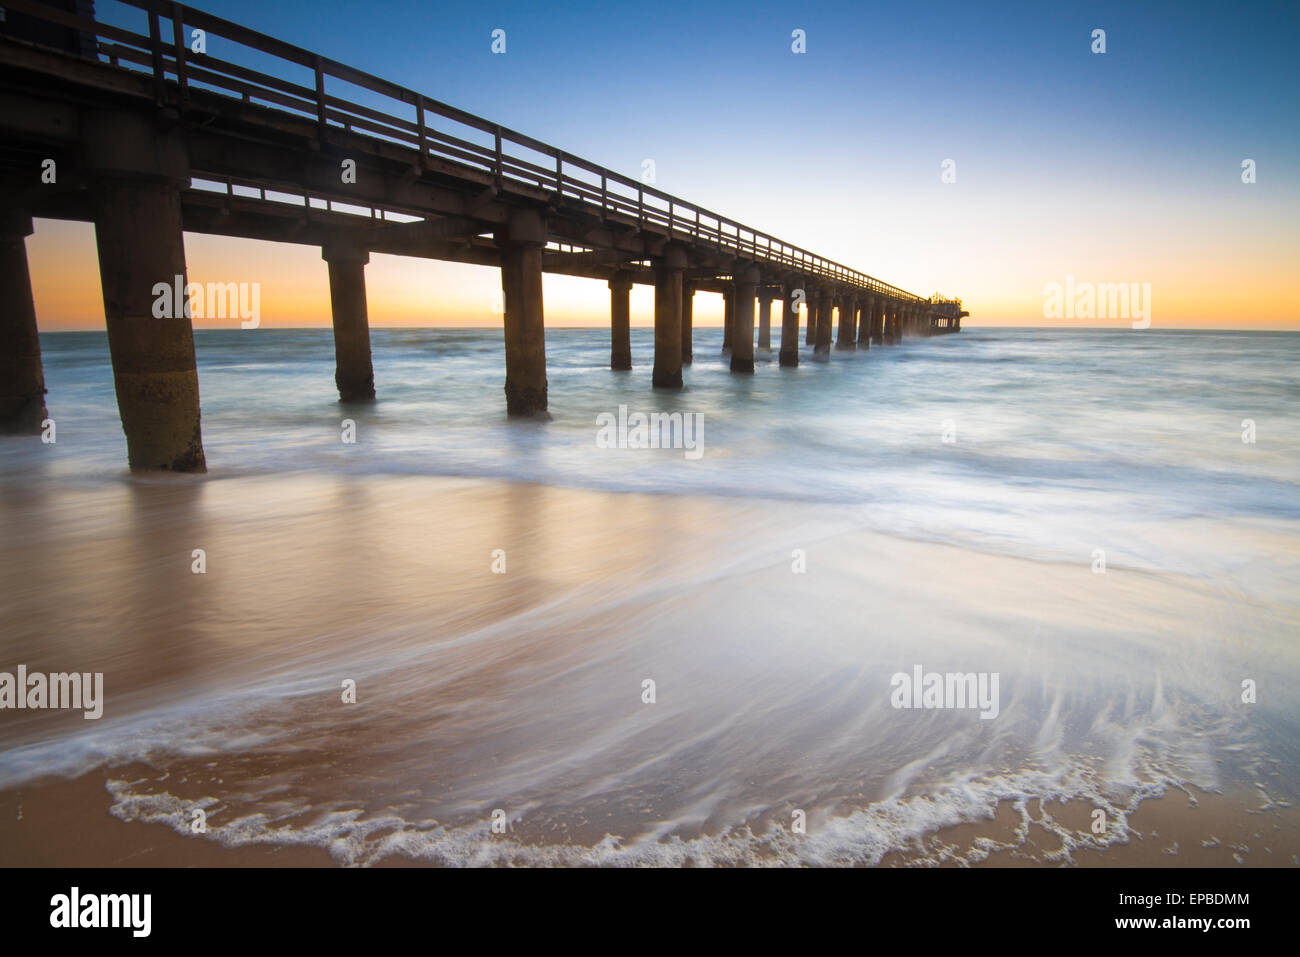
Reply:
x=1106, y=520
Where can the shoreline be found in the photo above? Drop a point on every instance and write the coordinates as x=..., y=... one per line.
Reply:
x=530, y=681
x=1219, y=831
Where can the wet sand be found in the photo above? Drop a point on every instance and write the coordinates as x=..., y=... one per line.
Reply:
x=772, y=629
x=67, y=824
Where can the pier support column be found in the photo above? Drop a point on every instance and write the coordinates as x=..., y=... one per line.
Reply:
x=688, y=322
x=878, y=321
x=790, y=325
x=810, y=320
x=620, y=321
x=848, y=330
x=138, y=171
x=742, y=337
x=22, y=379
x=822, y=342
x=868, y=303
x=765, y=318
x=887, y=322
x=521, y=243
x=354, y=374
x=728, y=318
x=668, y=319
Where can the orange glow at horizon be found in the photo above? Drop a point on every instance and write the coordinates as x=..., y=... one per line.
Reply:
x=1205, y=291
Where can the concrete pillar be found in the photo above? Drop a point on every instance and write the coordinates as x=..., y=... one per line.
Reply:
x=742, y=341
x=728, y=318
x=790, y=324
x=878, y=321
x=868, y=303
x=848, y=330
x=520, y=243
x=810, y=335
x=620, y=321
x=668, y=319
x=822, y=343
x=22, y=379
x=139, y=239
x=688, y=322
x=887, y=322
x=765, y=318
x=353, y=372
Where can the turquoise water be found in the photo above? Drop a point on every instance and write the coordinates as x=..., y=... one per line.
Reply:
x=1063, y=440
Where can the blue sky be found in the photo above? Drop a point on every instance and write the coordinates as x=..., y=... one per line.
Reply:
x=1113, y=167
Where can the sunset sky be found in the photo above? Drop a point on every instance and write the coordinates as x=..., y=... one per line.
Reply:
x=1117, y=167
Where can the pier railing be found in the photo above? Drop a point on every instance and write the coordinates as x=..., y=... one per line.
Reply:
x=442, y=137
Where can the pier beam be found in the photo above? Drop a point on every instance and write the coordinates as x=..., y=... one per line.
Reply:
x=668, y=318
x=22, y=378
x=620, y=321
x=790, y=324
x=354, y=374
x=521, y=243
x=742, y=341
x=138, y=171
x=822, y=342
x=688, y=322
x=765, y=317
x=848, y=330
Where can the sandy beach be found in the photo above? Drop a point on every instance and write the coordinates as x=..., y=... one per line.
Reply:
x=522, y=691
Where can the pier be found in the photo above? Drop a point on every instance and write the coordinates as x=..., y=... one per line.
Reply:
x=152, y=137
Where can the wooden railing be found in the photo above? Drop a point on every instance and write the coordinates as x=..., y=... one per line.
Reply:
x=436, y=132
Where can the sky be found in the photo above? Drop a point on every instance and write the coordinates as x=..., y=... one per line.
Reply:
x=1067, y=165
